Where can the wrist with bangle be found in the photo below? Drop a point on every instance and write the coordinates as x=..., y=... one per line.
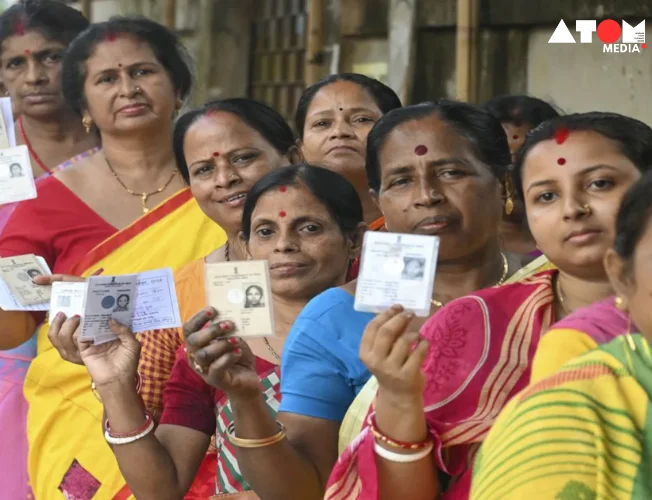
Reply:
x=254, y=443
x=137, y=379
x=417, y=450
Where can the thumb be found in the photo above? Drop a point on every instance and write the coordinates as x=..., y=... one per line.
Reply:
x=123, y=332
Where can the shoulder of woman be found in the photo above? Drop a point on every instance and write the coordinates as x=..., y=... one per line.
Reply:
x=76, y=171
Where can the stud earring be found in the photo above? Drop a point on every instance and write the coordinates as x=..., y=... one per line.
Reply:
x=509, y=202
x=88, y=123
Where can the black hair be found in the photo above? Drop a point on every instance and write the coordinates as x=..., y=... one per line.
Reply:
x=123, y=295
x=265, y=120
x=167, y=48
x=384, y=97
x=334, y=191
x=476, y=124
x=521, y=110
x=53, y=19
x=633, y=137
x=633, y=216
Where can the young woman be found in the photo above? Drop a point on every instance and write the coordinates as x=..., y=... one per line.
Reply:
x=572, y=173
x=307, y=222
x=122, y=210
x=334, y=117
x=518, y=114
x=583, y=431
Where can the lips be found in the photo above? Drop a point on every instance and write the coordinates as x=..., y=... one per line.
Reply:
x=583, y=235
x=286, y=268
x=131, y=109
x=435, y=224
x=342, y=148
x=38, y=97
x=234, y=199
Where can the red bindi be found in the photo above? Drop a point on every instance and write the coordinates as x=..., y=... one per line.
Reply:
x=111, y=37
x=282, y=213
x=216, y=154
x=561, y=161
x=19, y=27
x=283, y=189
x=420, y=150
x=27, y=52
x=515, y=137
x=561, y=134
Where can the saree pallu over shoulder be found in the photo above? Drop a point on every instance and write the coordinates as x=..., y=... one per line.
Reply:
x=481, y=347
x=68, y=454
x=355, y=418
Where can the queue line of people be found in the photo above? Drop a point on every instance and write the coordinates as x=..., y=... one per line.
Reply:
x=366, y=407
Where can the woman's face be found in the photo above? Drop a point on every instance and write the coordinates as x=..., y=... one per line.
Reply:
x=516, y=133
x=16, y=170
x=225, y=158
x=432, y=183
x=127, y=89
x=123, y=301
x=254, y=296
x=31, y=71
x=572, y=195
x=338, y=121
x=632, y=281
x=295, y=233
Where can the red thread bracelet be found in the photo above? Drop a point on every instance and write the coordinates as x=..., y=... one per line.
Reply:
x=371, y=421
x=148, y=420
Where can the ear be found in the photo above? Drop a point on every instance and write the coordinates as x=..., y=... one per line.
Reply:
x=619, y=276
x=374, y=196
x=299, y=151
x=245, y=244
x=355, y=240
x=294, y=155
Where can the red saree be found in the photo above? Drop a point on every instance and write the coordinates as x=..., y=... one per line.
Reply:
x=481, y=348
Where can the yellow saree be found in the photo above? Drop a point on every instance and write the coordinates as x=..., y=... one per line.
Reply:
x=68, y=456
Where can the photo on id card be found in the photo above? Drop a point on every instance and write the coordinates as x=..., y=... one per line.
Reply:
x=396, y=269
x=107, y=297
x=18, y=274
x=241, y=293
x=16, y=177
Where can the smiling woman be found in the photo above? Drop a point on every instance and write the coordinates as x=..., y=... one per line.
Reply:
x=123, y=210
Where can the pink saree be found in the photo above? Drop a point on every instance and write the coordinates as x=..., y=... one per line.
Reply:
x=13, y=407
x=481, y=348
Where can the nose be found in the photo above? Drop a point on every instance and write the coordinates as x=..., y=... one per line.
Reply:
x=128, y=87
x=36, y=74
x=287, y=241
x=428, y=194
x=576, y=208
x=225, y=175
x=341, y=129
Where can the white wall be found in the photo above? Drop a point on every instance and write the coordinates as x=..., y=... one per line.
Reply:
x=580, y=77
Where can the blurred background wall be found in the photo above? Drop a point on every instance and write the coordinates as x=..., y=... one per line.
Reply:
x=425, y=49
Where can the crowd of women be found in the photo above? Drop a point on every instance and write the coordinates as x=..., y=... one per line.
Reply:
x=532, y=377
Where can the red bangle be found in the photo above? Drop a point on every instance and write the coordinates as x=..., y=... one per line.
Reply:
x=371, y=422
x=148, y=420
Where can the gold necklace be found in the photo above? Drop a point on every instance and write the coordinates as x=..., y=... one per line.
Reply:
x=271, y=349
x=560, y=296
x=143, y=196
x=502, y=279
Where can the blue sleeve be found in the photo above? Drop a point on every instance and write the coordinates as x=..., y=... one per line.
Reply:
x=314, y=382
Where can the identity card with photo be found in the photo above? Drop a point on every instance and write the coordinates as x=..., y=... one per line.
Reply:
x=16, y=177
x=241, y=293
x=396, y=269
x=18, y=274
x=107, y=298
x=17, y=290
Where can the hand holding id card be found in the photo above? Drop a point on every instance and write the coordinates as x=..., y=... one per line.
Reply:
x=241, y=293
x=19, y=292
x=396, y=269
x=16, y=176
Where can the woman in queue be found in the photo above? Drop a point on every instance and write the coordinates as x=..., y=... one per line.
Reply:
x=583, y=431
x=334, y=117
x=122, y=210
x=307, y=222
x=476, y=354
x=518, y=114
x=33, y=36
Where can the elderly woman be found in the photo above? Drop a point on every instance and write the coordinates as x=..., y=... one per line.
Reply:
x=123, y=210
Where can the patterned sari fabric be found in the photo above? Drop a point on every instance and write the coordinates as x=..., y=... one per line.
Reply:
x=583, y=433
x=13, y=407
x=481, y=348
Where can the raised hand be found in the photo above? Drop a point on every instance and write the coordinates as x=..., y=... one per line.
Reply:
x=223, y=362
x=63, y=334
x=393, y=354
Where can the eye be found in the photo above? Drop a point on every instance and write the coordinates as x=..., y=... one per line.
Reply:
x=52, y=58
x=321, y=124
x=245, y=158
x=451, y=174
x=106, y=79
x=15, y=63
x=601, y=184
x=143, y=72
x=362, y=119
x=399, y=181
x=264, y=232
x=203, y=170
x=311, y=228
x=546, y=197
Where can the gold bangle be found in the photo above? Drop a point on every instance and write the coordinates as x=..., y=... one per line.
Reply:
x=254, y=443
x=138, y=380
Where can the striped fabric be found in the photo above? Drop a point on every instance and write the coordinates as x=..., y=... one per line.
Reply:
x=229, y=477
x=583, y=433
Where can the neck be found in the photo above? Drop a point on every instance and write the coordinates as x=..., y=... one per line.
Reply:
x=456, y=278
x=237, y=249
x=64, y=127
x=285, y=313
x=369, y=208
x=140, y=157
x=577, y=292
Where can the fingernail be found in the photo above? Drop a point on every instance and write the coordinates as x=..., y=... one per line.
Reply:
x=201, y=354
x=98, y=272
x=206, y=325
x=59, y=315
x=225, y=325
x=232, y=340
x=76, y=316
x=208, y=313
x=238, y=350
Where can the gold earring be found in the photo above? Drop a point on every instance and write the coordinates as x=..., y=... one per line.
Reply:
x=88, y=123
x=509, y=202
x=619, y=303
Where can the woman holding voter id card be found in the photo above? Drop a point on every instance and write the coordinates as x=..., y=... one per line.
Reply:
x=307, y=223
x=436, y=405
x=123, y=210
